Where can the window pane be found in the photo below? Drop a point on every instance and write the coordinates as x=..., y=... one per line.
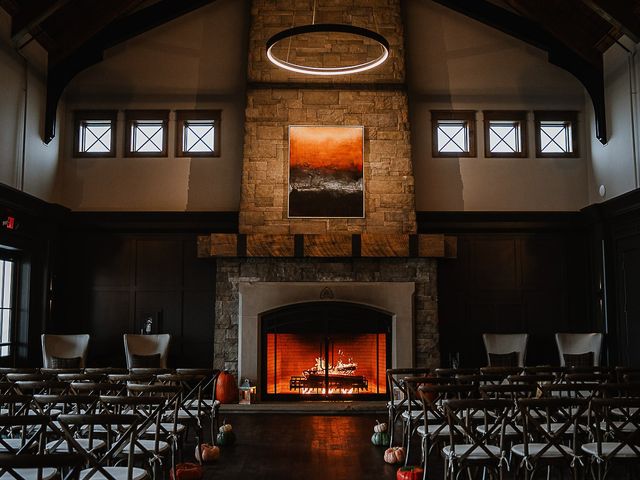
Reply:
x=453, y=136
x=6, y=303
x=556, y=137
x=147, y=136
x=95, y=136
x=5, y=332
x=199, y=136
x=7, y=275
x=504, y=137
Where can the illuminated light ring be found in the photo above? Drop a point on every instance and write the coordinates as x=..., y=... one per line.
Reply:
x=328, y=28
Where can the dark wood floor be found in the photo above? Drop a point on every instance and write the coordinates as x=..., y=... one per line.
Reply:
x=309, y=447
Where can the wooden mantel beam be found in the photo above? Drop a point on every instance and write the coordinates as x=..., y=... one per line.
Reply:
x=332, y=245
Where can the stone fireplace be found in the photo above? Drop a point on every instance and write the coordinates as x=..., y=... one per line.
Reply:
x=248, y=289
x=377, y=266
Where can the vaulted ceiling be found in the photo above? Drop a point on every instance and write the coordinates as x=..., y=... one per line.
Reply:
x=75, y=33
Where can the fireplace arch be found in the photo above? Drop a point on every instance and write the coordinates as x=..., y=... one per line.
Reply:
x=325, y=350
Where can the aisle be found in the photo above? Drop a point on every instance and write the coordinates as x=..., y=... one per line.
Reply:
x=277, y=446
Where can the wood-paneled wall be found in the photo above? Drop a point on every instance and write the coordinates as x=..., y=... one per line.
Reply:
x=514, y=273
x=121, y=270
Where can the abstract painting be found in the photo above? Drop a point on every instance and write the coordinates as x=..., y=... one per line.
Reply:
x=325, y=172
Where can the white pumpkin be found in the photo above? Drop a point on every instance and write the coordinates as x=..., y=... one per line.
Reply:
x=380, y=427
x=394, y=455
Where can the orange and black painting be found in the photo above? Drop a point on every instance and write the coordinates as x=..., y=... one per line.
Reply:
x=325, y=171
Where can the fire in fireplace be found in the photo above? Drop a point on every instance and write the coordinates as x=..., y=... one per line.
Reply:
x=325, y=350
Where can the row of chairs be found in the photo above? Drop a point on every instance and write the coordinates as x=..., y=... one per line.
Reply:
x=573, y=348
x=470, y=416
x=99, y=419
x=70, y=351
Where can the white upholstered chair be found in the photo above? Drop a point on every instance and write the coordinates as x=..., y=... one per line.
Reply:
x=504, y=343
x=579, y=343
x=145, y=345
x=63, y=347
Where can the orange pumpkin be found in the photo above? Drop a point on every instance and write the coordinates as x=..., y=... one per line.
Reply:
x=226, y=388
x=187, y=471
x=210, y=453
x=409, y=473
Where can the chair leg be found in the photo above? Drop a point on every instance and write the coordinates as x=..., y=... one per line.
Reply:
x=409, y=432
x=391, y=427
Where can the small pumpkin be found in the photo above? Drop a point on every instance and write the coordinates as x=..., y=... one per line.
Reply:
x=394, y=455
x=226, y=388
x=380, y=439
x=225, y=436
x=186, y=471
x=380, y=427
x=409, y=473
x=210, y=453
x=225, y=427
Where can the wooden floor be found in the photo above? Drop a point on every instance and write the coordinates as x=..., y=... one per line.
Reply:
x=310, y=447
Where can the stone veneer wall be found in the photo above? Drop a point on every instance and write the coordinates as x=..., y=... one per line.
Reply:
x=232, y=272
x=376, y=100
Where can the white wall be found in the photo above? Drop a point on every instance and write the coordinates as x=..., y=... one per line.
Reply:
x=34, y=167
x=455, y=62
x=614, y=165
x=197, y=61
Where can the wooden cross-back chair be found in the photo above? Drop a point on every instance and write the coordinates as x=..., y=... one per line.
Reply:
x=193, y=386
x=412, y=416
x=616, y=427
x=434, y=429
x=23, y=433
x=150, y=410
x=172, y=427
x=65, y=466
x=398, y=401
x=482, y=449
x=546, y=424
x=121, y=430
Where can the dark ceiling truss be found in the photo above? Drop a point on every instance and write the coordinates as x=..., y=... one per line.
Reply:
x=92, y=51
x=76, y=33
x=622, y=14
x=590, y=74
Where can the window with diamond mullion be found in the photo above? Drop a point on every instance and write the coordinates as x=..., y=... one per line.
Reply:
x=505, y=133
x=198, y=133
x=453, y=133
x=146, y=133
x=94, y=133
x=556, y=134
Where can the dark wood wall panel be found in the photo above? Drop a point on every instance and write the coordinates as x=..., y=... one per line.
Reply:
x=128, y=277
x=514, y=273
x=107, y=319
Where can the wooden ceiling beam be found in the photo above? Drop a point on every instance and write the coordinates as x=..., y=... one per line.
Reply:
x=32, y=14
x=559, y=54
x=92, y=51
x=91, y=17
x=622, y=14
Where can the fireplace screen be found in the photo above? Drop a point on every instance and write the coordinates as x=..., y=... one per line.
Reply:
x=325, y=349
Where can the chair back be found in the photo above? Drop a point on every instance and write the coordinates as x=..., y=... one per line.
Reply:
x=578, y=344
x=21, y=467
x=617, y=421
x=549, y=421
x=64, y=346
x=463, y=415
x=145, y=345
x=503, y=343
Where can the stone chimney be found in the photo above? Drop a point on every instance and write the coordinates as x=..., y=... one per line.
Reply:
x=376, y=100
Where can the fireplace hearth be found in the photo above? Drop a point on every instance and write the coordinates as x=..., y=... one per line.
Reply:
x=325, y=350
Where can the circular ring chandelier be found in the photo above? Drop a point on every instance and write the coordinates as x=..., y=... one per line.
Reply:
x=327, y=28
